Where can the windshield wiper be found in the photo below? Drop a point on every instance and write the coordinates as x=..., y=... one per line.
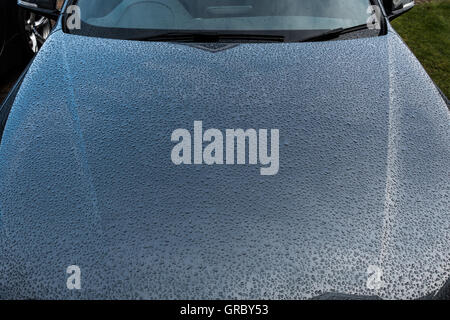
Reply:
x=219, y=36
x=209, y=37
x=334, y=33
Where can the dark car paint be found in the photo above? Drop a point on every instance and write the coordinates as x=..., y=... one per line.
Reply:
x=87, y=178
x=6, y=105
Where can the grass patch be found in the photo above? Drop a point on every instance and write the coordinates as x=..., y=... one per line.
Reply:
x=426, y=30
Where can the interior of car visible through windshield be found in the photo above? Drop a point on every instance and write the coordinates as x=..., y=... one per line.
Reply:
x=225, y=14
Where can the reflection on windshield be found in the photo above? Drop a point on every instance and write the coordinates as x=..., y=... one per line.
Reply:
x=232, y=15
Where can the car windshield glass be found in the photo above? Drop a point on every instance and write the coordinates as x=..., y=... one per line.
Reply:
x=128, y=18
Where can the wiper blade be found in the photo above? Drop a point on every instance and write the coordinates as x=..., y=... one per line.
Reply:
x=334, y=33
x=209, y=37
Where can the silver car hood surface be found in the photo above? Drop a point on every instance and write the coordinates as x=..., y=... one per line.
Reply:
x=87, y=179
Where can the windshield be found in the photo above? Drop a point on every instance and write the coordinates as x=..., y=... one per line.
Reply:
x=123, y=18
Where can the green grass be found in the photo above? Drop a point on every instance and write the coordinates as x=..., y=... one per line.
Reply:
x=426, y=30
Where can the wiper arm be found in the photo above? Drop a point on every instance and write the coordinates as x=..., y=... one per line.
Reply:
x=334, y=33
x=209, y=37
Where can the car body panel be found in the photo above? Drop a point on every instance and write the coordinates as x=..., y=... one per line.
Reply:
x=87, y=177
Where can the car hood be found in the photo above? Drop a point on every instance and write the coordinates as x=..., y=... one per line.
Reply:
x=360, y=204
